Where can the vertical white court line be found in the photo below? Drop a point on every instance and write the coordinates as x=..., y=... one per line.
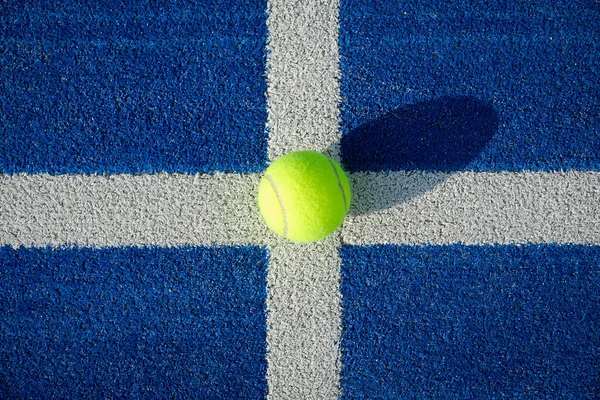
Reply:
x=303, y=279
x=303, y=327
x=303, y=92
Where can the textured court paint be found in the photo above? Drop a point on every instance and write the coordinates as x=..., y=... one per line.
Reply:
x=304, y=319
x=303, y=73
x=464, y=322
x=115, y=210
x=105, y=87
x=303, y=102
x=416, y=207
x=524, y=73
x=471, y=207
x=155, y=322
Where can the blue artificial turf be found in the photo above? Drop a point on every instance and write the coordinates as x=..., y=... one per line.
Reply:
x=463, y=322
x=147, y=322
x=129, y=87
x=517, y=81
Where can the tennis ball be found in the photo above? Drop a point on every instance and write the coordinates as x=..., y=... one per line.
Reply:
x=304, y=196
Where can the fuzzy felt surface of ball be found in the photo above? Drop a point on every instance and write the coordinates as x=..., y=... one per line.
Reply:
x=304, y=196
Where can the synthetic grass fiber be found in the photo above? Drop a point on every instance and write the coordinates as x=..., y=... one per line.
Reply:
x=471, y=321
x=133, y=322
x=133, y=259
x=132, y=86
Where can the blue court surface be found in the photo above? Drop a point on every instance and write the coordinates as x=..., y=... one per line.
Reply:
x=130, y=87
x=471, y=322
x=155, y=322
x=493, y=86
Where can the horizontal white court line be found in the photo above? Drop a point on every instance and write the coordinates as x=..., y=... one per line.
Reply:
x=112, y=210
x=474, y=208
x=396, y=208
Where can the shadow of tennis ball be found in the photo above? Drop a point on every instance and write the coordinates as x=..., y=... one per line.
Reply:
x=424, y=142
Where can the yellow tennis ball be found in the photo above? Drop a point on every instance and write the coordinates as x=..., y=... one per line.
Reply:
x=304, y=196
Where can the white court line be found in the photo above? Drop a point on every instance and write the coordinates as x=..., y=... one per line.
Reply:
x=474, y=208
x=303, y=76
x=116, y=210
x=395, y=208
x=303, y=97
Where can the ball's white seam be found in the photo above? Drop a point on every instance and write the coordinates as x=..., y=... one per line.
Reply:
x=339, y=184
x=285, y=221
